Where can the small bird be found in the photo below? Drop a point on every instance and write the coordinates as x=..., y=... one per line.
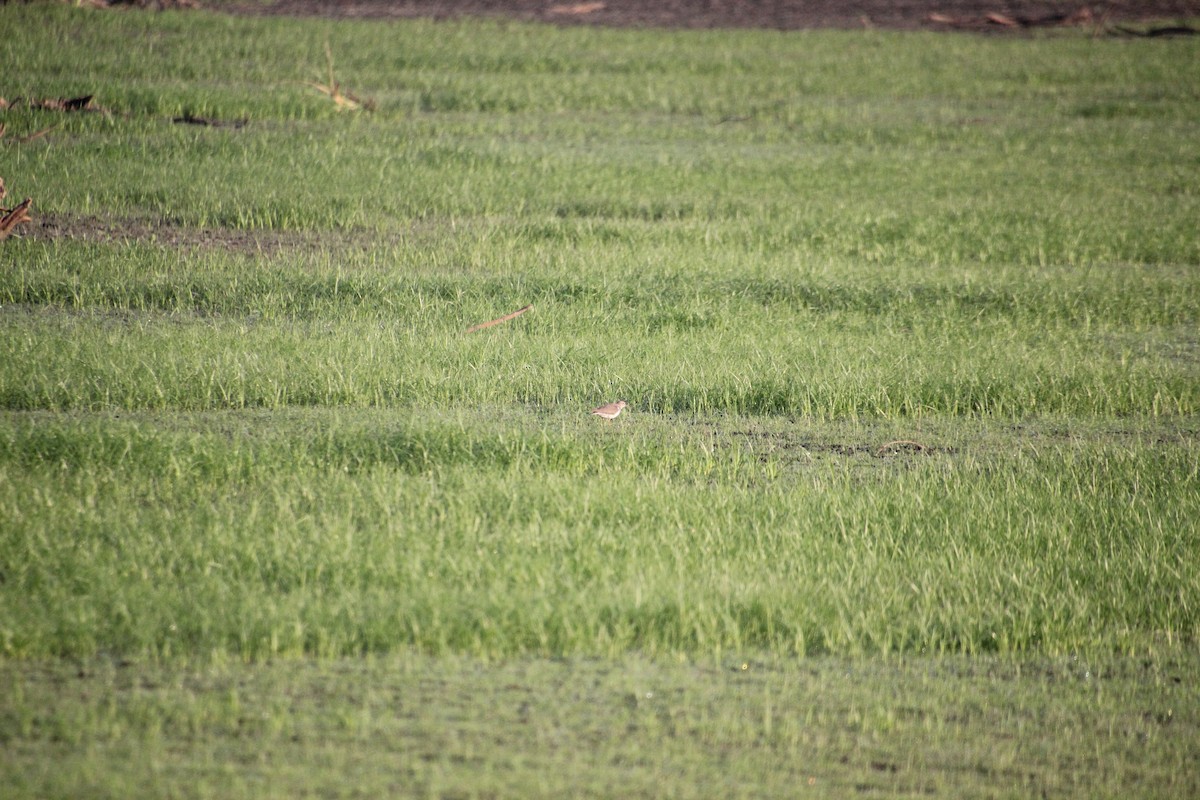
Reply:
x=609, y=410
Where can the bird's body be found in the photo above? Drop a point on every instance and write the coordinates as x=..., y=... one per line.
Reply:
x=609, y=410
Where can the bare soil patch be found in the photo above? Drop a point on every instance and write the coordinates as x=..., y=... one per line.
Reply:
x=90, y=228
x=978, y=15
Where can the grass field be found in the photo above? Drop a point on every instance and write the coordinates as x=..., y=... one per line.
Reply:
x=905, y=500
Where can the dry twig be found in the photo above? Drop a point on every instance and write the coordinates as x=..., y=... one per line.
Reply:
x=36, y=134
x=334, y=89
x=576, y=8
x=497, y=321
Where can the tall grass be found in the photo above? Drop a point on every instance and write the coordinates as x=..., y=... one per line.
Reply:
x=343, y=533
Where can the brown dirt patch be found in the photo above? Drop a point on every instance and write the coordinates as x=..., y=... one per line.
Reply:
x=977, y=15
x=102, y=229
x=164, y=233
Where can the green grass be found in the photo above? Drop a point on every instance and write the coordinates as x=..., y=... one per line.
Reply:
x=151, y=328
x=259, y=488
x=333, y=534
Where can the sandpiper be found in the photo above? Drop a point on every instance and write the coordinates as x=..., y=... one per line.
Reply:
x=609, y=410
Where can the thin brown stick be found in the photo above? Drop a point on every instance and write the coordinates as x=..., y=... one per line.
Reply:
x=36, y=134
x=333, y=89
x=497, y=321
x=997, y=18
x=576, y=8
x=898, y=443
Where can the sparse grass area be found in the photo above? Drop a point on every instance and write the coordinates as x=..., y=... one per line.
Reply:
x=420, y=726
x=907, y=327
